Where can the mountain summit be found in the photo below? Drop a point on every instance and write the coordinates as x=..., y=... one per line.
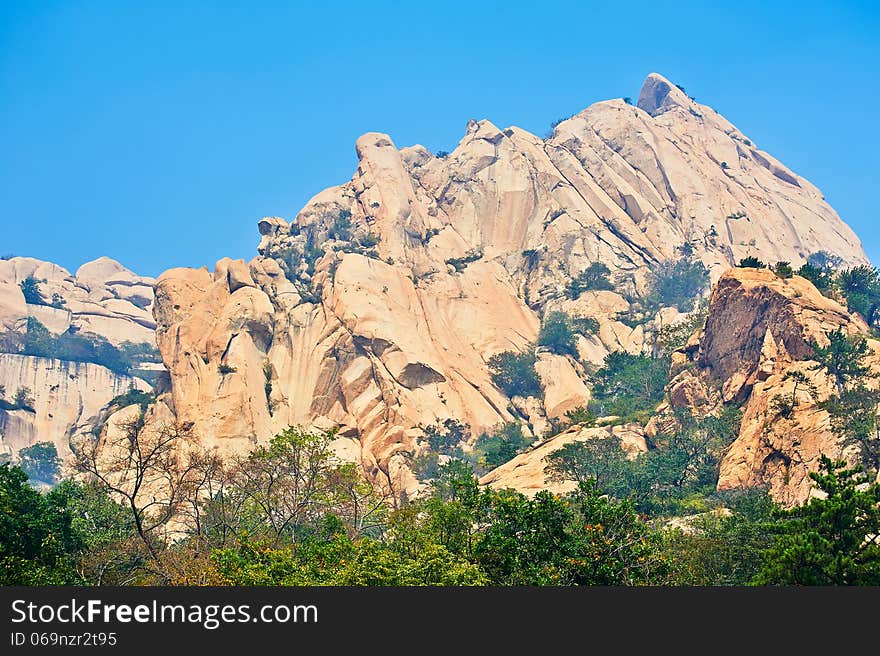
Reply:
x=379, y=308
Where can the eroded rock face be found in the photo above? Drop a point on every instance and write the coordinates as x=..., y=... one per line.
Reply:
x=758, y=330
x=379, y=306
x=67, y=400
x=103, y=298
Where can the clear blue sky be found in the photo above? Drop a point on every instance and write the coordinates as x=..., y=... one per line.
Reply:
x=159, y=132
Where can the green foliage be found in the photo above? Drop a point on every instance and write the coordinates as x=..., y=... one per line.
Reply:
x=460, y=263
x=678, y=284
x=557, y=334
x=784, y=404
x=23, y=400
x=718, y=548
x=133, y=396
x=341, y=227
x=30, y=287
x=225, y=369
x=585, y=325
x=40, y=462
x=496, y=448
x=860, y=287
x=831, y=540
x=751, y=262
x=594, y=277
x=36, y=536
x=514, y=373
x=783, y=270
x=674, y=476
x=824, y=260
x=581, y=416
x=447, y=437
x=843, y=357
x=76, y=347
x=675, y=336
x=821, y=279
x=629, y=386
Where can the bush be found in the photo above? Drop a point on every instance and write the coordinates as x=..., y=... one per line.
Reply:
x=447, y=437
x=224, y=369
x=514, y=373
x=860, y=287
x=460, y=263
x=820, y=278
x=341, y=227
x=40, y=462
x=629, y=386
x=594, y=277
x=585, y=325
x=751, y=262
x=783, y=270
x=30, y=287
x=23, y=400
x=557, y=334
x=493, y=450
x=678, y=284
x=132, y=396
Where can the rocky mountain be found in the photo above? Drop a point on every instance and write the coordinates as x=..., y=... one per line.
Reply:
x=70, y=344
x=380, y=305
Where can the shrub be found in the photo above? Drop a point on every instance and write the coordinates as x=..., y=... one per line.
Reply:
x=447, y=437
x=224, y=369
x=557, y=334
x=582, y=416
x=133, y=396
x=585, y=325
x=460, y=263
x=442, y=154
x=594, y=277
x=724, y=165
x=821, y=278
x=628, y=100
x=493, y=450
x=30, y=287
x=514, y=373
x=860, y=287
x=24, y=399
x=629, y=386
x=40, y=462
x=678, y=284
x=783, y=270
x=369, y=240
x=341, y=227
x=751, y=262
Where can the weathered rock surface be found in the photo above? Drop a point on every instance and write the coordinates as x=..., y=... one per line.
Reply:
x=103, y=298
x=757, y=331
x=67, y=400
x=379, y=306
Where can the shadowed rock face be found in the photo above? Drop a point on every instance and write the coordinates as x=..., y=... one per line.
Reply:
x=379, y=306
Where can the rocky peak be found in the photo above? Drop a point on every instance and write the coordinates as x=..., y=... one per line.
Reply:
x=659, y=95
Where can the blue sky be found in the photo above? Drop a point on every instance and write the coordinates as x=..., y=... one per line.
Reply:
x=159, y=132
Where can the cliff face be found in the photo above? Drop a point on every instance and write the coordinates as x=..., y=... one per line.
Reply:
x=102, y=299
x=67, y=400
x=756, y=336
x=379, y=306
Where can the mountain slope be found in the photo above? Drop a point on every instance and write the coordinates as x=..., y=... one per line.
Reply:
x=378, y=308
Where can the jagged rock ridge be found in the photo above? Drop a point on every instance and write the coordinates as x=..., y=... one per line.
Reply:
x=379, y=306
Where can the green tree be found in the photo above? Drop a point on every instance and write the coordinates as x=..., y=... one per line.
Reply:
x=30, y=287
x=783, y=270
x=36, y=536
x=40, y=462
x=843, y=357
x=821, y=278
x=514, y=373
x=861, y=288
x=751, y=262
x=629, y=386
x=677, y=283
x=496, y=448
x=594, y=277
x=557, y=334
x=831, y=540
x=24, y=399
